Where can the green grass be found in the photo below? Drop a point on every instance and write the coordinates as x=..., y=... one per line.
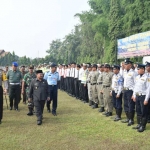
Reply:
x=77, y=127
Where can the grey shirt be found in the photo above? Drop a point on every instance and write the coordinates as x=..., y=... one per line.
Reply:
x=14, y=76
x=39, y=90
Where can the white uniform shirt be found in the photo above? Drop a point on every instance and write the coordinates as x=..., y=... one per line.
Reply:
x=76, y=74
x=68, y=72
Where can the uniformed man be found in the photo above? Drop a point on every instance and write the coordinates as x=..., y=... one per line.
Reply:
x=129, y=82
x=107, y=80
x=1, y=97
x=93, y=80
x=116, y=92
x=52, y=77
x=89, y=85
x=25, y=87
x=14, y=77
x=99, y=87
x=139, y=93
x=38, y=94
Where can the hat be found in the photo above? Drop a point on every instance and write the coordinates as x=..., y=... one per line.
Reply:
x=94, y=65
x=15, y=64
x=139, y=66
x=53, y=65
x=31, y=67
x=127, y=61
x=116, y=67
x=106, y=66
x=39, y=71
x=147, y=64
x=84, y=64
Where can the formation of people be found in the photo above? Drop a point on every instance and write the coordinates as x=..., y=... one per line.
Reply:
x=106, y=87
x=111, y=87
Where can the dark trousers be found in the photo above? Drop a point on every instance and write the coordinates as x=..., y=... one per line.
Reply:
x=24, y=96
x=80, y=89
x=39, y=107
x=141, y=109
x=129, y=104
x=72, y=86
x=117, y=102
x=67, y=84
x=84, y=93
x=53, y=97
x=76, y=84
x=14, y=94
x=1, y=102
x=61, y=82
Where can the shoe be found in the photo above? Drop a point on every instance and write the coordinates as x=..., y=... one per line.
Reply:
x=109, y=114
x=30, y=113
x=117, y=118
x=131, y=121
x=143, y=125
x=54, y=113
x=48, y=110
x=90, y=103
x=16, y=109
x=95, y=106
x=39, y=122
x=138, y=123
x=126, y=120
x=105, y=113
x=10, y=108
x=101, y=109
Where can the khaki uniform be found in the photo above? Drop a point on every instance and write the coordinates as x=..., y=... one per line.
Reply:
x=94, y=76
x=99, y=88
x=89, y=86
x=107, y=80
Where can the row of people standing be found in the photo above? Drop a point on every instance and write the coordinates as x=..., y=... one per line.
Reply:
x=108, y=87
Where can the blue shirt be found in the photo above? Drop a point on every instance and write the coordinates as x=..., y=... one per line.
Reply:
x=51, y=78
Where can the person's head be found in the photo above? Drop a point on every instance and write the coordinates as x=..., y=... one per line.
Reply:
x=39, y=74
x=6, y=68
x=73, y=65
x=22, y=68
x=141, y=69
x=116, y=69
x=78, y=67
x=94, y=67
x=101, y=68
x=31, y=67
x=14, y=66
x=122, y=64
x=89, y=67
x=53, y=67
x=106, y=67
x=128, y=64
x=84, y=66
x=66, y=66
x=147, y=66
x=60, y=66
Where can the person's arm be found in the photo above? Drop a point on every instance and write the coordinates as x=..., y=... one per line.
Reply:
x=31, y=90
x=7, y=75
x=48, y=91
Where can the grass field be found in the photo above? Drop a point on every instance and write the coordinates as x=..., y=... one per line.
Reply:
x=77, y=127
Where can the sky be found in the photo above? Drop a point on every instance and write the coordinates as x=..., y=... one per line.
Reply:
x=28, y=26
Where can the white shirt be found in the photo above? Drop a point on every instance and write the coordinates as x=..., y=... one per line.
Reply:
x=68, y=72
x=76, y=74
x=80, y=73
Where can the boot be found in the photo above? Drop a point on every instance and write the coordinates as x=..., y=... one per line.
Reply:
x=30, y=113
x=143, y=125
x=90, y=103
x=138, y=123
x=131, y=117
x=95, y=106
x=101, y=109
x=118, y=112
x=48, y=109
x=109, y=114
x=127, y=115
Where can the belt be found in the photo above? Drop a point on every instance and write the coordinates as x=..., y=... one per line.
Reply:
x=105, y=86
x=127, y=89
x=14, y=83
x=52, y=85
x=93, y=83
x=99, y=83
x=139, y=94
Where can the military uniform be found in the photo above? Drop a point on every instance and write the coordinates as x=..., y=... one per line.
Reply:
x=89, y=87
x=27, y=80
x=1, y=97
x=107, y=80
x=39, y=93
x=14, y=78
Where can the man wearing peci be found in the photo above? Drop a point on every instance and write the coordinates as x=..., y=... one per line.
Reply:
x=52, y=77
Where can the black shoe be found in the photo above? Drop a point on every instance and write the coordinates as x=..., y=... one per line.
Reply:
x=90, y=103
x=30, y=113
x=54, y=113
x=117, y=118
x=143, y=125
x=137, y=127
x=131, y=122
x=125, y=121
x=109, y=114
x=138, y=123
x=39, y=122
x=10, y=108
x=101, y=109
x=48, y=110
x=95, y=106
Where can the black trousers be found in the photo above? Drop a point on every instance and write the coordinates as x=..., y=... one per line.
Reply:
x=129, y=104
x=1, y=102
x=39, y=107
x=141, y=109
x=84, y=93
x=80, y=89
x=117, y=102
x=24, y=96
x=53, y=97
x=76, y=84
x=14, y=94
x=69, y=85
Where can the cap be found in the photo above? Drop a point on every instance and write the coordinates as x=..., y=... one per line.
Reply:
x=94, y=65
x=116, y=67
x=139, y=66
x=106, y=66
x=84, y=64
x=15, y=64
x=31, y=67
x=127, y=61
x=39, y=71
x=147, y=64
x=53, y=65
